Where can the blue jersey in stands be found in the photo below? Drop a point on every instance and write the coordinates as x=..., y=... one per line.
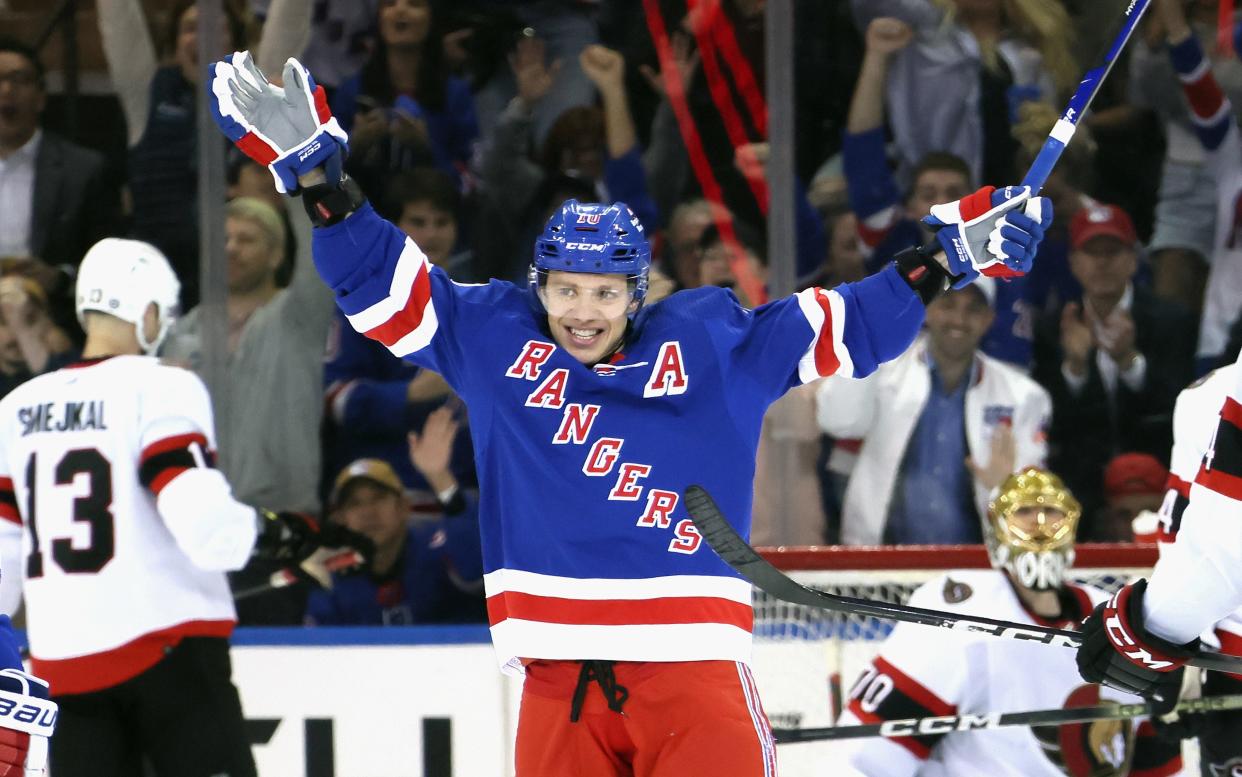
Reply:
x=369, y=414
x=437, y=579
x=587, y=549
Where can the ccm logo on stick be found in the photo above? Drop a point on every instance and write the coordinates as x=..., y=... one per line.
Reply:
x=938, y=725
x=1015, y=633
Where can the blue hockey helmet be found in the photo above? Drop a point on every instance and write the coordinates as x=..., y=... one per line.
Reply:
x=593, y=238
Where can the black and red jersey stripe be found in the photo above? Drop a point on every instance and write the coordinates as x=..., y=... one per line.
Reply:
x=907, y=699
x=165, y=459
x=8, y=502
x=1221, y=470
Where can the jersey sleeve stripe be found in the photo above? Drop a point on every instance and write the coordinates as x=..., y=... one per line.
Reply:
x=619, y=612
x=906, y=699
x=827, y=355
x=1221, y=470
x=407, y=309
x=164, y=460
x=173, y=443
x=8, y=502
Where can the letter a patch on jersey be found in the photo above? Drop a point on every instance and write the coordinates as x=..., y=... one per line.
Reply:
x=551, y=393
x=668, y=377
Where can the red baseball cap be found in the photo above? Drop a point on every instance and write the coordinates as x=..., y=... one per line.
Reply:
x=1135, y=473
x=1099, y=219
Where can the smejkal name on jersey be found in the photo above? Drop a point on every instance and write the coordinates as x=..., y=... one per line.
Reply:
x=70, y=417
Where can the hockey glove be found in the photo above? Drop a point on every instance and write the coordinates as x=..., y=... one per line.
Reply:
x=292, y=537
x=1118, y=650
x=288, y=129
x=993, y=232
x=27, y=719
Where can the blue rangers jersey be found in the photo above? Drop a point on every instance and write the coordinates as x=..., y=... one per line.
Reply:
x=588, y=552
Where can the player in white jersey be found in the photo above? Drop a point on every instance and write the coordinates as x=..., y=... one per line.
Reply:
x=121, y=532
x=1194, y=421
x=920, y=673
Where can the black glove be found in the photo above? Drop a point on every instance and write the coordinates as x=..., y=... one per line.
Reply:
x=1118, y=651
x=290, y=537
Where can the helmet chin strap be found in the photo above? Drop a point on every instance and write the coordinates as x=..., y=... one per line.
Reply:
x=149, y=348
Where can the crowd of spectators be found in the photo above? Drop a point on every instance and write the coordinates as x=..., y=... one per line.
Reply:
x=470, y=122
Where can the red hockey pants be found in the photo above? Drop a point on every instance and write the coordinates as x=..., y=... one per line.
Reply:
x=676, y=720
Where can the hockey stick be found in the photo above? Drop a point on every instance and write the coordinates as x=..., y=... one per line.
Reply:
x=944, y=724
x=1065, y=127
x=735, y=552
x=318, y=567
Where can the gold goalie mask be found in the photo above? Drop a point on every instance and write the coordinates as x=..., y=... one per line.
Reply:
x=1030, y=528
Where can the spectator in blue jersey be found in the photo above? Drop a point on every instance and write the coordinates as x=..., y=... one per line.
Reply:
x=595, y=145
x=422, y=571
x=426, y=205
x=404, y=109
x=1113, y=360
x=591, y=415
x=941, y=426
x=886, y=220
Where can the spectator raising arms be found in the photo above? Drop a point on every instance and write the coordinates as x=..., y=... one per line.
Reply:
x=422, y=571
x=954, y=88
x=160, y=102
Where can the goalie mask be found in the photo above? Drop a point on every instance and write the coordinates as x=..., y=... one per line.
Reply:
x=1030, y=529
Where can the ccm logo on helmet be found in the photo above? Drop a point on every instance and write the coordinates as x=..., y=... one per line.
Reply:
x=585, y=246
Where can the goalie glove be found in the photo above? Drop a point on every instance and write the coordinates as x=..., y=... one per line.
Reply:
x=27, y=719
x=293, y=537
x=288, y=129
x=1118, y=651
x=993, y=232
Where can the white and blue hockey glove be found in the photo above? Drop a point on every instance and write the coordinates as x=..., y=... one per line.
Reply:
x=288, y=129
x=993, y=232
x=27, y=719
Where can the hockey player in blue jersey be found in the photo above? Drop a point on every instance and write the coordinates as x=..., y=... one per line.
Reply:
x=590, y=415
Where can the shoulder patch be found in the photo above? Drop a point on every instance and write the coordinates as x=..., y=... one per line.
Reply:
x=955, y=592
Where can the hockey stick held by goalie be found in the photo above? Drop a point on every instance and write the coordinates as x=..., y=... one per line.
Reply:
x=738, y=554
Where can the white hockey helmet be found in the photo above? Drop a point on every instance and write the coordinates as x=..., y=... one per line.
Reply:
x=121, y=278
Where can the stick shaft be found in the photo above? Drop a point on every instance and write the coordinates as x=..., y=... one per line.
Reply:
x=967, y=722
x=744, y=560
x=1065, y=127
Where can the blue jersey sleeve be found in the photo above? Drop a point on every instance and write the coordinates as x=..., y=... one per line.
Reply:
x=365, y=387
x=391, y=293
x=848, y=330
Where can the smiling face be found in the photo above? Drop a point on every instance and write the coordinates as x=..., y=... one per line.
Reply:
x=587, y=312
x=957, y=322
x=404, y=22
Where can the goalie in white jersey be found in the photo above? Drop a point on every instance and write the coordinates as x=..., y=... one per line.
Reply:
x=922, y=672
x=121, y=531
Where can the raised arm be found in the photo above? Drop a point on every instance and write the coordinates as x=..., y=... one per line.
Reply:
x=130, y=54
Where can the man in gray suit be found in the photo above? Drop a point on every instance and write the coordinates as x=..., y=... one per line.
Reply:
x=55, y=201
